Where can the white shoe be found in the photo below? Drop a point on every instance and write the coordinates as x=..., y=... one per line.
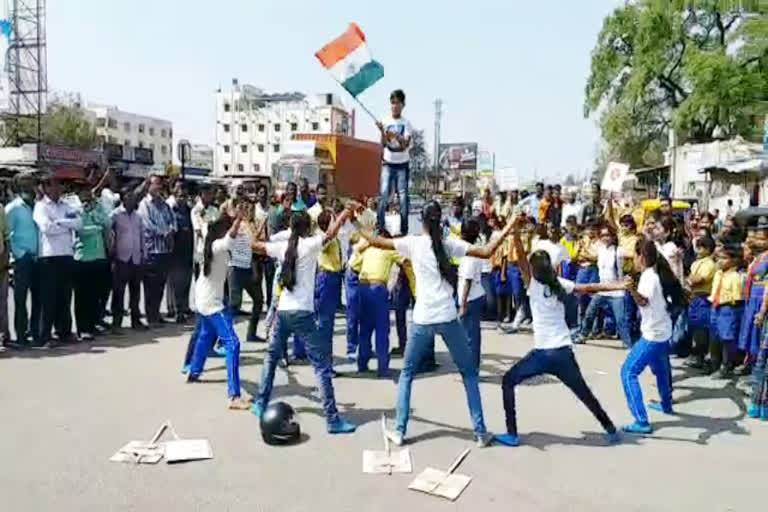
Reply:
x=395, y=437
x=484, y=440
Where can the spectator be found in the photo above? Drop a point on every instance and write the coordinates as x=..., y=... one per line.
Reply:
x=57, y=222
x=23, y=236
x=180, y=274
x=159, y=228
x=203, y=213
x=128, y=256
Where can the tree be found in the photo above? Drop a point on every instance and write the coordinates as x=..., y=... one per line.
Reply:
x=62, y=125
x=696, y=67
x=419, y=164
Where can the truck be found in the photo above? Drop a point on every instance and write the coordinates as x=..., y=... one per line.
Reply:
x=349, y=167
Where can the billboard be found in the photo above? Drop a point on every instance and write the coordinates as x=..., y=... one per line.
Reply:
x=485, y=163
x=507, y=179
x=458, y=156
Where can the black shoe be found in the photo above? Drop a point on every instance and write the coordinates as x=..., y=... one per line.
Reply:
x=397, y=352
x=139, y=326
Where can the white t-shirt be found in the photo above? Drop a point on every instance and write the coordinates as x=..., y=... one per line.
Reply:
x=109, y=200
x=393, y=152
x=674, y=257
x=241, y=252
x=655, y=322
x=434, y=299
x=609, y=263
x=549, y=328
x=302, y=297
x=572, y=209
x=209, y=290
x=472, y=269
x=557, y=253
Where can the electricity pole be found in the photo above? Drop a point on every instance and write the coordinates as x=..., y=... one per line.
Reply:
x=438, y=115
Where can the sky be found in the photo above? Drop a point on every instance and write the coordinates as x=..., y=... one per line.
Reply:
x=511, y=74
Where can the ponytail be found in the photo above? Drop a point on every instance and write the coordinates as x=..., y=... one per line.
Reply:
x=300, y=223
x=671, y=287
x=432, y=215
x=542, y=271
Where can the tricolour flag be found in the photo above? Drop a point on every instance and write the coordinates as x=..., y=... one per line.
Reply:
x=348, y=59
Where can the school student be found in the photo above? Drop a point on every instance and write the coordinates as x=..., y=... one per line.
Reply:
x=552, y=352
x=470, y=290
x=328, y=281
x=374, y=305
x=351, y=289
x=295, y=313
x=657, y=293
x=401, y=293
x=727, y=308
x=700, y=284
x=214, y=320
x=435, y=313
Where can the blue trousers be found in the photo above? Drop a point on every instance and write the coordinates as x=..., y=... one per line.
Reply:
x=471, y=324
x=647, y=353
x=559, y=362
x=217, y=325
x=394, y=178
x=489, y=307
x=352, y=283
x=603, y=302
x=418, y=348
x=586, y=275
x=631, y=317
x=302, y=324
x=327, y=299
x=374, y=300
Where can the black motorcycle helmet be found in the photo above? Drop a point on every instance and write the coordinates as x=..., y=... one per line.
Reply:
x=278, y=425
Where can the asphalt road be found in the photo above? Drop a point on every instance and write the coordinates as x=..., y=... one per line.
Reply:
x=65, y=412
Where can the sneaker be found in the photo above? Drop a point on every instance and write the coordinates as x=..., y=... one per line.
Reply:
x=612, y=437
x=220, y=351
x=341, y=426
x=656, y=406
x=764, y=413
x=139, y=326
x=351, y=358
x=86, y=336
x=484, y=440
x=185, y=369
x=256, y=409
x=697, y=363
x=723, y=373
x=753, y=411
x=507, y=439
x=395, y=437
x=396, y=352
x=638, y=428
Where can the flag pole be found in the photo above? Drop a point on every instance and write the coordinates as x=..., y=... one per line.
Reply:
x=357, y=101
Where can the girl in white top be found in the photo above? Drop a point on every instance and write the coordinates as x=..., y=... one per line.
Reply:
x=552, y=353
x=213, y=321
x=296, y=312
x=435, y=313
x=658, y=292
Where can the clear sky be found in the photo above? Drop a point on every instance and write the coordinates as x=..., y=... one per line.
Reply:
x=511, y=73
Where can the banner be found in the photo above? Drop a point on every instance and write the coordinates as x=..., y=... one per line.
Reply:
x=485, y=163
x=615, y=175
x=458, y=156
x=507, y=179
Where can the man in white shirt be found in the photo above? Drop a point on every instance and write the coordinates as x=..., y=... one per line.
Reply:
x=572, y=208
x=203, y=213
x=57, y=222
x=396, y=134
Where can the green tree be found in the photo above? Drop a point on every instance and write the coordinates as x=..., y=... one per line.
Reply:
x=62, y=125
x=692, y=66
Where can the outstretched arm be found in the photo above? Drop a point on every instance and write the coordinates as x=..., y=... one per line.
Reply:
x=488, y=249
x=335, y=226
x=599, y=287
x=522, y=263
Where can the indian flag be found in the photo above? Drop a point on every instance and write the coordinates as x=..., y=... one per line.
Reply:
x=348, y=59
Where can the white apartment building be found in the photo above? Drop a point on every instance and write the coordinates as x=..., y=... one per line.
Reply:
x=252, y=125
x=114, y=126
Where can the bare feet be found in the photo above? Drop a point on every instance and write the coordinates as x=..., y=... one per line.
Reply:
x=239, y=404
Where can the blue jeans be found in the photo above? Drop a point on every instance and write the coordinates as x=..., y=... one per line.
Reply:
x=327, y=299
x=471, y=324
x=647, y=353
x=394, y=177
x=26, y=281
x=489, y=308
x=217, y=325
x=559, y=362
x=352, y=284
x=418, y=348
x=374, y=300
x=302, y=324
x=602, y=302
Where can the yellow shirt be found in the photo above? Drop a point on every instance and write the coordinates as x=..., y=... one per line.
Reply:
x=408, y=269
x=356, y=259
x=727, y=287
x=511, y=252
x=377, y=263
x=703, y=270
x=587, y=251
x=628, y=243
x=330, y=258
x=570, y=246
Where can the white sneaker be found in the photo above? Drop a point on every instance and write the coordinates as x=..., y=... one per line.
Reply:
x=395, y=437
x=518, y=320
x=484, y=440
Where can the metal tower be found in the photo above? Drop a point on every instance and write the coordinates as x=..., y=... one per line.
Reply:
x=26, y=65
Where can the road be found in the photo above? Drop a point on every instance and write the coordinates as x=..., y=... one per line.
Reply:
x=65, y=412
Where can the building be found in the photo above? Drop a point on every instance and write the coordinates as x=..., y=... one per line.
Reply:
x=252, y=126
x=115, y=126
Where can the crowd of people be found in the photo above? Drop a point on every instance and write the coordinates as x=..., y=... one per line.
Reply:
x=665, y=280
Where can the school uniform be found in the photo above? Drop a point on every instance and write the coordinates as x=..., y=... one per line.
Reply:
x=515, y=278
x=401, y=292
x=628, y=244
x=568, y=270
x=374, y=302
x=652, y=349
x=470, y=275
x=328, y=288
x=754, y=289
x=351, y=289
x=725, y=316
x=552, y=354
x=587, y=272
x=703, y=270
x=213, y=319
x=499, y=273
